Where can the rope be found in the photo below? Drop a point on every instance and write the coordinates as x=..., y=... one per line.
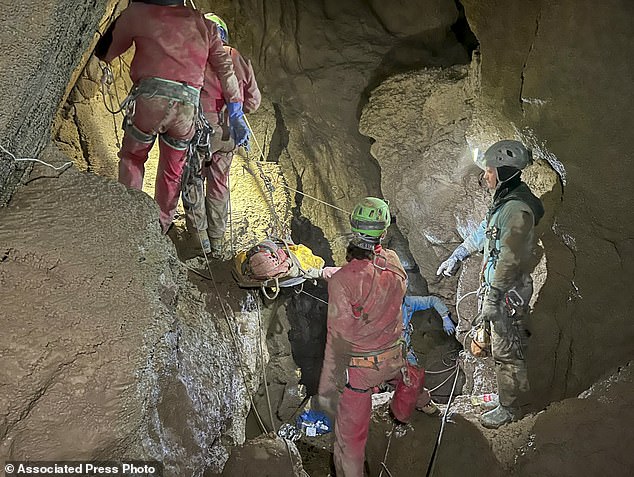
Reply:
x=276, y=290
x=314, y=198
x=387, y=449
x=266, y=384
x=460, y=301
x=281, y=229
x=312, y=296
x=447, y=379
x=441, y=371
x=233, y=249
x=432, y=463
x=106, y=79
x=386, y=470
x=31, y=159
x=285, y=186
x=255, y=139
x=233, y=337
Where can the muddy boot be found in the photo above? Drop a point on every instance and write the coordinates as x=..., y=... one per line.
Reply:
x=498, y=417
x=430, y=409
x=203, y=241
x=216, y=248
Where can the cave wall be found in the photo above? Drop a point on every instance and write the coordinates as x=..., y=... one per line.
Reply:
x=108, y=350
x=562, y=72
x=315, y=61
x=42, y=48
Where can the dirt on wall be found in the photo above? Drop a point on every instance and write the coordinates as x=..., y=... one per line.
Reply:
x=568, y=95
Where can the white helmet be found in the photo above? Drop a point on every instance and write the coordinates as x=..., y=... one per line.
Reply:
x=508, y=153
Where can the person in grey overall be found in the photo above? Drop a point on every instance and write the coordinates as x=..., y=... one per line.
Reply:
x=506, y=237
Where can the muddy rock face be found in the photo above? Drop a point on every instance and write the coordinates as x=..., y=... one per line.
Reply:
x=108, y=351
x=315, y=61
x=570, y=436
x=109, y=348
x=43, y=48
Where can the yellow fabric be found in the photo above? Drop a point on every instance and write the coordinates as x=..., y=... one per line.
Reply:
x=306, y=257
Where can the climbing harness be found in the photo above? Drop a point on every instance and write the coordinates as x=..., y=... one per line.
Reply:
x=379, y=262
x=373, y=359
x=198, y=154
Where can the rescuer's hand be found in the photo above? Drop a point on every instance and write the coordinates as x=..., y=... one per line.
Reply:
x=450, y=266
x=448, y=325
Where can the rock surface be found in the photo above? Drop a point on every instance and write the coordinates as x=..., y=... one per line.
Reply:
x=536, y=78
x=42, y=49
x=108, y=351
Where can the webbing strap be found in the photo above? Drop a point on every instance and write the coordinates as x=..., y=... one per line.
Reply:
x=357, y=390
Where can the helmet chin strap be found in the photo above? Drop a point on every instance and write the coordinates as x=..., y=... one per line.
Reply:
x=501, y=183
x=365, y=242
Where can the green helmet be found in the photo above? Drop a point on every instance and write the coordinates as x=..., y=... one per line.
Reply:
x=222, y=26
x=370, y=217
x=508, y=153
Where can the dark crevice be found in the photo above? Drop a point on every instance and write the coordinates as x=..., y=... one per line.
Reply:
x=378, y=19
x=296, y=34
x=434, y=49
x=307, y=311
x=463, y=32
x=530, y=50
x=83, y=143
x=280, y=136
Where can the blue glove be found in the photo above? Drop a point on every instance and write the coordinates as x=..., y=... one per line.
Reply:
x=239, y=129
x=449, y=266
x=448, y=325
x=493, y=306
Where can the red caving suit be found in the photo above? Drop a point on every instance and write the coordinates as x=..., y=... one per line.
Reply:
x=173, y=45
x=353, y=331
x=210, y=210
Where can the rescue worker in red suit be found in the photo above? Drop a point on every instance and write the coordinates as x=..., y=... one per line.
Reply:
x=173, y=45
x=364, y=345
x=207, y=212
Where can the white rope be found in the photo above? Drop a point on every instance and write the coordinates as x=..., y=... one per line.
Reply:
x=311, y=197
x=255, y=138
x=432, y=464
x=387, y=450
x=31, y=159
x=264, y=377
x=460, y=300
x=455, y=368
x=278, y=180
x=313, y=296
